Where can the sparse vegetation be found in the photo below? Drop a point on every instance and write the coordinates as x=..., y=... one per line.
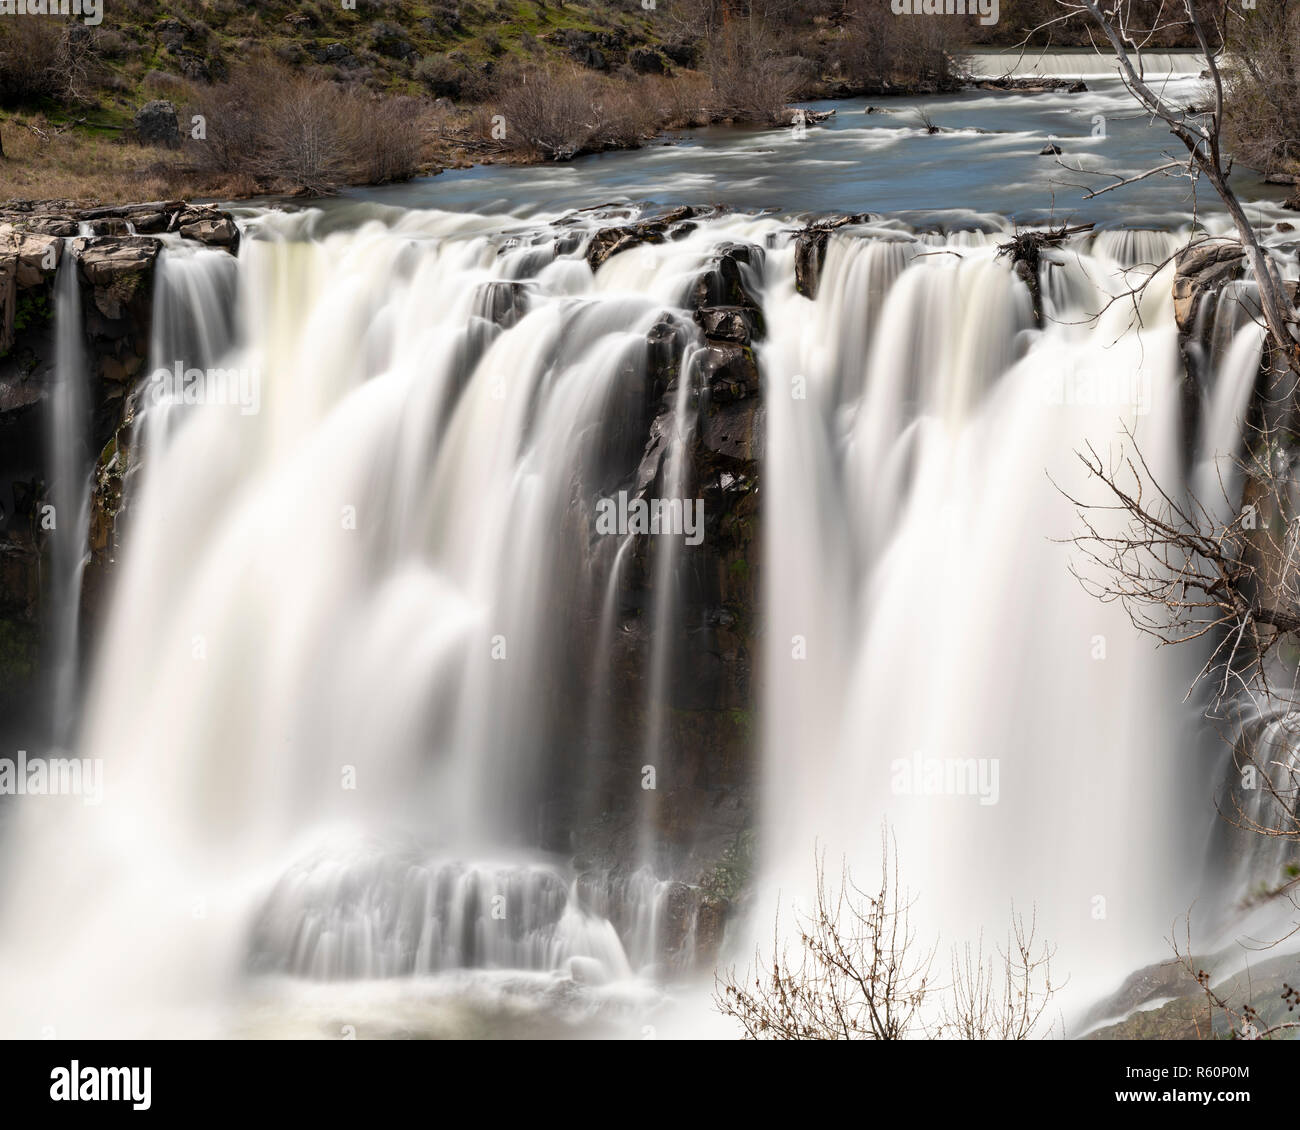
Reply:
x=312, y=96
x=860, y=971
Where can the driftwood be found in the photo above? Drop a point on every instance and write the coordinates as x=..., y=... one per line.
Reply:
x=1024, y=250
x=46, y=134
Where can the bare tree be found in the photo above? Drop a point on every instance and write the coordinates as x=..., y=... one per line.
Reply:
x=1262, y=80
x=1127, y=31
x=1219, y=572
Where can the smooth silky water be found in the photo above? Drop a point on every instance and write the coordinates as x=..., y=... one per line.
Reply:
x=319, y=772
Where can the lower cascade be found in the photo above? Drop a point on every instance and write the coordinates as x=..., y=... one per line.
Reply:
x=517, y=603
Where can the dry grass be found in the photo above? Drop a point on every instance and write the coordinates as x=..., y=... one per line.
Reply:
x=93, y=168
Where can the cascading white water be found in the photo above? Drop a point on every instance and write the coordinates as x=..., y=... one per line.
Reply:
x=1036, y=63
x=68, y=445
x=952, y=633
x=333, y=649
x=329, y=695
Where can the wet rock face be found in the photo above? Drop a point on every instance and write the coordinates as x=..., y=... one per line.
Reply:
x=810, y=250
x=502, y=302
x=1202, y=269
x=703, y=799
x=740, y=325
x=115, y=270
x=656, y=229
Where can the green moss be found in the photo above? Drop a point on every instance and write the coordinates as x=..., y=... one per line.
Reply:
x=19, y=644
x=734, y=870
x=32, y=310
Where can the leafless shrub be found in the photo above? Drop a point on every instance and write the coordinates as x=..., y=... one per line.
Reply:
x=310, y=137
x=880, y=50
x=1262, y=85
x=45, y=58
x=684, y=100
x=1237, y=1009
x=551, y=112
x=859, y=973
x=390, y=141
x=305, y=132
x=1003, y=995
x=751, y=81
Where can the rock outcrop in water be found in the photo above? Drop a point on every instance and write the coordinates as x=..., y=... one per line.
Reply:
x=810, y=250
x=1203, y=269
x=671, y=224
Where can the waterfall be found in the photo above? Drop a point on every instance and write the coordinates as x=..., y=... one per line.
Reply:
x=372, y=679
x=1080, y=63
x=920, y=616
x=335, y=666
x=68, y=445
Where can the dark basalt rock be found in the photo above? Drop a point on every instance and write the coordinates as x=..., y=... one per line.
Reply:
x=738, y=324
x=646, y=61
x=665, y=345
x=115, y=270
x=810, y=250
x=502, y=302
x=724, y=284
x=610, y=241
x=729, y=372
x=682, y=54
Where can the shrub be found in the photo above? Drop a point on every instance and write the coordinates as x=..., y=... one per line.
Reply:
x=750, y=81
x=389, y=138
x=440, y=76
x=1262, y=72
x=549, y=112
x=110, y=44
x=45, y=58
x=306, y=132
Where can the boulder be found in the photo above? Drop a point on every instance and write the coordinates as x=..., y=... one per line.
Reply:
x=156, y=124
x=119, y=269
x=1201, y=269
x=216, y=229
x=646, y=61
x=724, y=283
x=738, y=324
x=729, y=372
